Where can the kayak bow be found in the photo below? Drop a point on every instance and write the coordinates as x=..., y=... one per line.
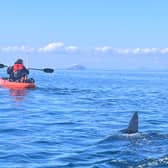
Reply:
x=16, y=85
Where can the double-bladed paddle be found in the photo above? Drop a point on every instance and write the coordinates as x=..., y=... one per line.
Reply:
x=47, y=70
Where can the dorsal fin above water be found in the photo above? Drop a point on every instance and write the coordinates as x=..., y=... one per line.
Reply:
x=133, y=125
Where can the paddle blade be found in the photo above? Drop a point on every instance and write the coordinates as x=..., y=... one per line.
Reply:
x=48, y=70
x=2, y=66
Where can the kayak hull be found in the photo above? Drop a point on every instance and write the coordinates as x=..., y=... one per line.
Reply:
x=15, y=85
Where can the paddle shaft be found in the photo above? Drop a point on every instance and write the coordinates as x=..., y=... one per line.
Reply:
x=36, y=69
x=47, y=70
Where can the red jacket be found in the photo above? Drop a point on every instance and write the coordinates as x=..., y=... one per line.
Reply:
x=18, y=67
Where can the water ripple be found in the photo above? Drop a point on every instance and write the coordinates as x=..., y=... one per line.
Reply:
x=73, y=120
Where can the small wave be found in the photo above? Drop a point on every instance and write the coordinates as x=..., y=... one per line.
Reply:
x=66, y=91
x=14, y=131
x=15, y=157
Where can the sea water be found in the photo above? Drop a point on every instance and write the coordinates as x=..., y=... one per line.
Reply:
x=73, y=120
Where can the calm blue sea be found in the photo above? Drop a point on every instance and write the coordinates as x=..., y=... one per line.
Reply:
x=73, y=118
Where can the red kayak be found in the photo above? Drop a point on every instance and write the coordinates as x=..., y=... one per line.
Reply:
x=16, y=85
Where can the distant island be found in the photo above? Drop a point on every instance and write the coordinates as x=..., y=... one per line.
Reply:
x=76, y=67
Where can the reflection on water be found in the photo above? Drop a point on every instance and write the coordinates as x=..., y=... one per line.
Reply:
x=18, y=94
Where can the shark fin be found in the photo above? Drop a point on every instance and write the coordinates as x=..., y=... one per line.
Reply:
x=133, y=125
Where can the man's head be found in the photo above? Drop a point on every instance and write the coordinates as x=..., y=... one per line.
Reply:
x=19, y=61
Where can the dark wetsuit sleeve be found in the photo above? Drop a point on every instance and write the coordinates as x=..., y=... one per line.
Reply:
x=9, y=70
x=26, y=70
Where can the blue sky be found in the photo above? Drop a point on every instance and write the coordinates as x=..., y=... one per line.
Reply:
x=108, y=34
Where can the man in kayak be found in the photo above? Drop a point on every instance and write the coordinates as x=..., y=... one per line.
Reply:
x=18, y=72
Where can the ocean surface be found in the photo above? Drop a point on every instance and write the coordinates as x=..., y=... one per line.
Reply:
x=73, y=120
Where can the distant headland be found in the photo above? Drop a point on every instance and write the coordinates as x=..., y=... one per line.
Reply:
x=76, y=67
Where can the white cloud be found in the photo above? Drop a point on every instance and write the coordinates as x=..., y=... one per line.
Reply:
x=123, y=50
x=61, y=47
x=164, y=50
x=51, y=47
x=107, y=49
x=17, y=49
x=150, y=50
x=72, y=49
x=103, y=49
x=136, y=50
